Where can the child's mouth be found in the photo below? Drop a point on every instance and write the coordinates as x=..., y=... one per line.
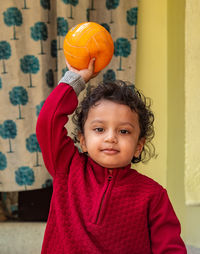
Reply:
x=110, y=151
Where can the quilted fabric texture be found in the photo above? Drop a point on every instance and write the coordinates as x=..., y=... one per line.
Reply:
x=92, y=211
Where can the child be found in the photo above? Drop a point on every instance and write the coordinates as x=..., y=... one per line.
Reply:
x=99, y=204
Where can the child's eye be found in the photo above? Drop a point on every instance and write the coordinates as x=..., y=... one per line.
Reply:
x=124, y=131
x=99, y=129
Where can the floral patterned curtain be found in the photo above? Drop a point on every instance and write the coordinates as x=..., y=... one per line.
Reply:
x=32, y=62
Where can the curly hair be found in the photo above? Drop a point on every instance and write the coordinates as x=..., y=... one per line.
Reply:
x=123, y=93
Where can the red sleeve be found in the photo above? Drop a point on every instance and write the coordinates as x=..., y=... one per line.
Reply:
x=57, y=148
x=164, y=227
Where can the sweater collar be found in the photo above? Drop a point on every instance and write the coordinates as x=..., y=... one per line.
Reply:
x=102, y=172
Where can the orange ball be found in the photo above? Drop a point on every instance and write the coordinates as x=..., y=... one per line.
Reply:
x=85, y=41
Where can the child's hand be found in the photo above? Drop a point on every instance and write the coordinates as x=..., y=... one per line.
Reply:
x=86, y=74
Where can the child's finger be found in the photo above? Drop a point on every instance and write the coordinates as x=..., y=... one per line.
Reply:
x=91, y=65
x=70, y=68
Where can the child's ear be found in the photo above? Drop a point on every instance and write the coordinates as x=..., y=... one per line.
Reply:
x=139, y=147
x=82, y=142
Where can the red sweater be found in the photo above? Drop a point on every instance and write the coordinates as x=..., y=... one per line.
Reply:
x=91, y=211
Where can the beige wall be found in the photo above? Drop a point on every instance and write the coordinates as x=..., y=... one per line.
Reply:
x=192, y=77
x=151, y=76
x=161, y=75
x=176, y=107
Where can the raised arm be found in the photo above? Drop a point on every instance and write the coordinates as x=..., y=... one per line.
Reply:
x=56, y=146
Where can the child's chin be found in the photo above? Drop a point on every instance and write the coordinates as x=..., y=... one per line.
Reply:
x=109, y=165
x=106, y=165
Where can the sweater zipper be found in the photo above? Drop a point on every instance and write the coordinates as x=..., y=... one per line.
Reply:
x=103, y=197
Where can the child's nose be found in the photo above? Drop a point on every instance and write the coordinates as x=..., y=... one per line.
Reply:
x=111, y=137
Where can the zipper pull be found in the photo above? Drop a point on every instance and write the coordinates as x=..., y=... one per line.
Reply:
x=110, y=178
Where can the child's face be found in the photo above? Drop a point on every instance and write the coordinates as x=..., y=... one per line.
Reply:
x=111, y=134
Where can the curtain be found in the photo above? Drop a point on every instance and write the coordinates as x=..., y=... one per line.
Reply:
x=32, y=62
